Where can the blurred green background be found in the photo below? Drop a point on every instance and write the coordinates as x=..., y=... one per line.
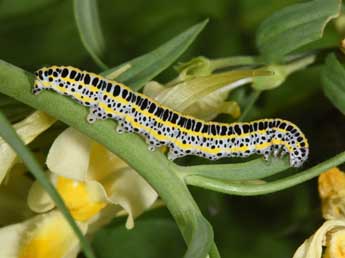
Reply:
x=43, y=32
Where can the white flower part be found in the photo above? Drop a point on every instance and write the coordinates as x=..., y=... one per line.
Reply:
x=10, y=238
x=312, y=247
x=129, y=190
x=153, y=89
x=107, y=178
x=42, y=236
x=28, y=130
x=69, y=155
x=38, y=199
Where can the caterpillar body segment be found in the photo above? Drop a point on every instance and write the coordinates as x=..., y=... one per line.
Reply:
x=184, y=135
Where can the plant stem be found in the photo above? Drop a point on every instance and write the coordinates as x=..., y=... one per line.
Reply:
x=278, y=185
x=251, y=101
x=222, y=63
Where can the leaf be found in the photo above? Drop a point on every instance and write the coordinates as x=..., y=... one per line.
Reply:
x=10, y=136
x=333, y=80
x=88, y=24
x=9, y=8
x=138, y=242
x=146, y=67
x=295, y=26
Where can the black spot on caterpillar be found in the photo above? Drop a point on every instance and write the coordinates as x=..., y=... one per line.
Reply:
x=184, y=135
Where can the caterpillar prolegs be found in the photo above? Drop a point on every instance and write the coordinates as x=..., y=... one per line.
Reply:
x=160, y=125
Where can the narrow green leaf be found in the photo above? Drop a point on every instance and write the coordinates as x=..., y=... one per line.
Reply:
x=201, y=241
x=295, y=26
x=333, y=80
x=87, y=19
x=146, y=67
x=10, y=136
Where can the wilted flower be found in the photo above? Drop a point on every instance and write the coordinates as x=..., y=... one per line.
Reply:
x=331, y=234
x=198, y=92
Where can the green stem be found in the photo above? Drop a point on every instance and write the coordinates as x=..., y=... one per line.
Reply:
x=10, y=136
x=153, y=166
x=251, y=101
x=222, y=63
x=250, y=170
x=278, y=185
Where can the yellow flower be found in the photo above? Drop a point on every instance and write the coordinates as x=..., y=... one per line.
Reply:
x=47, y=235
x=312, y=247
x=332, y=193
x=95, y=185
x=331, y=234
x=335, y=244
x=89, y=177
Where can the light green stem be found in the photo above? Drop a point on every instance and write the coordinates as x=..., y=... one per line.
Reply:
x=251, y=101
x=278, y=185
x=222, y=63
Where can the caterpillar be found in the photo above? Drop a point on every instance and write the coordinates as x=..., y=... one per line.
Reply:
x=160, y=125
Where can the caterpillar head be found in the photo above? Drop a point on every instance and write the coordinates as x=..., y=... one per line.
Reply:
x=298, y=157
x=42, y=80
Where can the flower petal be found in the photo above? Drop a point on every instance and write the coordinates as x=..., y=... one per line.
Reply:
x=212, y=105
x=103, y=162
x=332, y=193
x=69, y=155
x=185, y=93
x=312, y=247
x=331, y=182
x=83, y=199
x=28, y=130
x=335, y=246
x=206, y=108
x=47, y=235
x=129, y=190
x=198, y=66
x=38, y=199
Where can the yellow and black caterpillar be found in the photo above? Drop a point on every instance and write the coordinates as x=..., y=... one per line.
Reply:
x=161, y=125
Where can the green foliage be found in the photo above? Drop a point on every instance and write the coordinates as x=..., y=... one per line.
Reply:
x=295, y=26
x=115, y=32
x=146, y=67
x=138, y=242
x=87, y=20
x=333, y=77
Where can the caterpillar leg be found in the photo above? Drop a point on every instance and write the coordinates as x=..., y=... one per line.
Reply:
x=96, y=113
x=276, y=150
x=175, y=153
x=119, y=127
x=38, y=87
x=152, y=143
